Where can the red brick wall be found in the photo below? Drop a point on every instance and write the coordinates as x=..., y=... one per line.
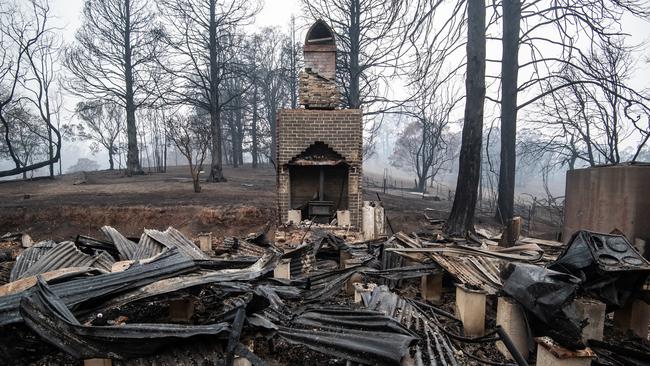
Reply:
x=321, y=59
x=341, y=130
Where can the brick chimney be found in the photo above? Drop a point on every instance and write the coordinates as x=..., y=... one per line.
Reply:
x=320, y=50
x=319, y=148
x=317, y=81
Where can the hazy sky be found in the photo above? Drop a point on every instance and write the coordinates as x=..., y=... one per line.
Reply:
x=274, y=12
x=67, y=16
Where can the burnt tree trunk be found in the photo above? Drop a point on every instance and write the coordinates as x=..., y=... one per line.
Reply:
x=273, y=115
x=509, y=73
x=132, y=159
x=50, y=150
x=355, y=70
x=254, y=141
x=233, y=139
x=111, y=161
x=240, y=134
x=216, y=165
x=461, y=219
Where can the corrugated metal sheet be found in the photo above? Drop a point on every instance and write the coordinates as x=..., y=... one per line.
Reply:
x=147, y=248
x=76, y=291
x=363, y=336
x=126, y=247
x=66, y=254
x=263, y=266
x=5, y=271
x=476, y=272
x=28, y=257
x=48, y=316
x=172, y=238
x=414, y=317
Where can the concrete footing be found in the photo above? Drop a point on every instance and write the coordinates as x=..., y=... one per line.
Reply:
x=594, y=312
x=294, y=216
x=431, y=288
x=283, y=270
x=205, y=242
x=98, y=362
x=343, y=218
x=551, y=354
x=362, y=288
x=181, y=310
x=510, y=317
x=373, y=220
x=470, y=309
x=242, y=361
x=635, y=316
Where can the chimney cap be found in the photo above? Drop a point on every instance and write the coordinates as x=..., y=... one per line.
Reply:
x=320, y=34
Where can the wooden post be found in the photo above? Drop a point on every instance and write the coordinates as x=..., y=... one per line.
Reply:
x=511, y=233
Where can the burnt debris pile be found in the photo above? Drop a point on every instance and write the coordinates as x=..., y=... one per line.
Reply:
x=321, y=296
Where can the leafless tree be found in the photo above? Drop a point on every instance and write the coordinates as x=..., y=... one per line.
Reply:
x=112, y=58
x=102, y=123
x=550, y=32
x=426, y=145
x=204, y=37
x=272, y=78
x=588, y=124
x=191, y=136
x=27, y=134
x=27, y=76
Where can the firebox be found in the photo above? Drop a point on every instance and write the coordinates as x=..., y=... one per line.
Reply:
x=319, y=146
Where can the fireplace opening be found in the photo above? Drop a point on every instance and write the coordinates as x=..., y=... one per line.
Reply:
x=318, y=191
x=318, y=181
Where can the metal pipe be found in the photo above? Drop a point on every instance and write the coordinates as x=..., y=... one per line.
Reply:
x=505, y=338
x=321, y=185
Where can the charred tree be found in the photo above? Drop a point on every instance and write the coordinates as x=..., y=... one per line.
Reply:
x=112, y=58
x=461, y=219
x=509, y=72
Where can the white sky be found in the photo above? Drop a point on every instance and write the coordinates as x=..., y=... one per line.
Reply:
x=67, y=16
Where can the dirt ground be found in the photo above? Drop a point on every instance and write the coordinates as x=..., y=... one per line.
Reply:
x=60, y=209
